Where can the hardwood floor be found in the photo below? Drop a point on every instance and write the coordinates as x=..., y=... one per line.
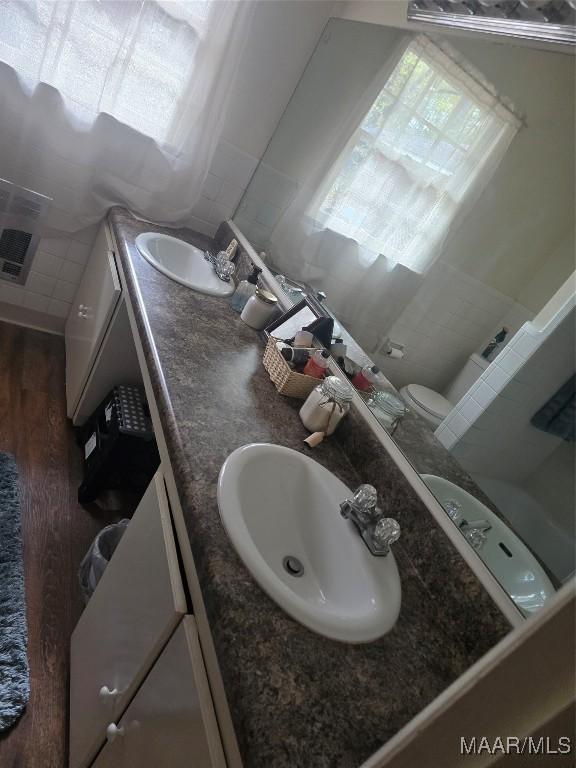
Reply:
x=56, y=531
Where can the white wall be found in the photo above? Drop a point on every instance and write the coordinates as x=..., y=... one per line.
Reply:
x=451, y=316
x=489, y=430
x=282, y=40
x=553, y=486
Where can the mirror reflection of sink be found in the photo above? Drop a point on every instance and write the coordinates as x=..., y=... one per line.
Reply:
x=507, y=557
x=183, y=263
x=281, y=511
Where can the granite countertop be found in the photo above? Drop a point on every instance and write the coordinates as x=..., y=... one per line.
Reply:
x=298, y=700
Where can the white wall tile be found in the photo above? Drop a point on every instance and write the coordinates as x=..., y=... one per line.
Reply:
x=203, y=209
x=230, y=194
x=46, y=263
x=59, y=308
x=64, y=291
x=496, y=377
x=232, y=164
x=56, y=245
x=36, y=301
x=524, y=343
x=41, y=284
x=470, y=409
x=484, y=394
x=509, y=361
x=71, y=272
x=212, y=187
x=457, y=423
x=78, y=252
x=10, y=293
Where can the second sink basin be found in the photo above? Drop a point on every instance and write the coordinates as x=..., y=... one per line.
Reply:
x=281, y=511
x=509, y=559
x=183, y=263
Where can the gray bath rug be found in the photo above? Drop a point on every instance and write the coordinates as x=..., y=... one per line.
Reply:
x=14, y=682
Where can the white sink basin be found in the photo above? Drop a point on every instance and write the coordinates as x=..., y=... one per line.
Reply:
x=277, y=503
x=507, y=557
x=183, y=263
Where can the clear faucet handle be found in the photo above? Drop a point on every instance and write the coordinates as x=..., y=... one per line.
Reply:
x=476, y=538
x=386, y=531
x=365, y=498
x=454, y=511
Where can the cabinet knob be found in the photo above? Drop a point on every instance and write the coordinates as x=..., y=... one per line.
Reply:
x=106, y=695
x=83, y=312
x=113, y=731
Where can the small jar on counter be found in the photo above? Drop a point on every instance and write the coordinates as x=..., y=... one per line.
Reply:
x=260, y=309
x=387, y=408
x=326, y=405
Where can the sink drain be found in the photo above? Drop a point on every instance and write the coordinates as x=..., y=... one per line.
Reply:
x=293, y=566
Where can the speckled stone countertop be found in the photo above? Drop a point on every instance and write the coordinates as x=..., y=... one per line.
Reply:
x=297, y=700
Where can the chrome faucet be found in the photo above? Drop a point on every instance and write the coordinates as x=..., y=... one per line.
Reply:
x=474, y=531
x=377, y=532
x=223, y=267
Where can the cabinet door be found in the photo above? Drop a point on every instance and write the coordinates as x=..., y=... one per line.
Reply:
x=138, y=603
x=171, y=722
x=95, y=300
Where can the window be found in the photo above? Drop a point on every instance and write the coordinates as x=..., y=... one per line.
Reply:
x=132, y=60
x=433, y=133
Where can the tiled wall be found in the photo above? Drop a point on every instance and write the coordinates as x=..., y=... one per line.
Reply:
x=268, y=198
x=59, y=262
x=489, y=430
x=451, y=316
x=225, y=184
x=56, y=271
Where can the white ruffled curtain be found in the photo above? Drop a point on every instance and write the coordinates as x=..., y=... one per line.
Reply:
x=396, y=177
x=106, y=103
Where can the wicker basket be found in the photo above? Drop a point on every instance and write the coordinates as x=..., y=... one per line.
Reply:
x=286, y=381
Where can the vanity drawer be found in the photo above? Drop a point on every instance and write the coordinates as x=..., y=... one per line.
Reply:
x=170, y=723
x=133, y=612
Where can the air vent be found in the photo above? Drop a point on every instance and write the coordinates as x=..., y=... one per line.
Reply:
x=21, y=214
x=11, y=269
x=14, y=244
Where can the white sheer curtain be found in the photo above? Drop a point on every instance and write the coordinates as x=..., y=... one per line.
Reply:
x=116, y=102
x=395, y=177
x=430, y=141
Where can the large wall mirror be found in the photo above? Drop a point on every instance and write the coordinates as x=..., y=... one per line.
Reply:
x=425, y=185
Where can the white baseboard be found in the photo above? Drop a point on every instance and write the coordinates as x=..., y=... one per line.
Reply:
x=31, y=318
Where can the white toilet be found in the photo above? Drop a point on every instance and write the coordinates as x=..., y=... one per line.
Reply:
x=435, y=407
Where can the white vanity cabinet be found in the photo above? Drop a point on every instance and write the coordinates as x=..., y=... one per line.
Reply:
x=138, y=603
x=90, y=315
x=170, y=723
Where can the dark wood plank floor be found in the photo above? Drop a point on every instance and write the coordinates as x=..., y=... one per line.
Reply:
x=57, y=532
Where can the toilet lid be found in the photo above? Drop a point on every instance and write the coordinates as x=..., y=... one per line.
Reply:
x=429, y=400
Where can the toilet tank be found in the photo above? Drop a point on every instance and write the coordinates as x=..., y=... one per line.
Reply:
x=472, y=371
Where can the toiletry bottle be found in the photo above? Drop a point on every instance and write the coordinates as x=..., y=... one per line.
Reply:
x=245, y=289
x=338, y=350
x=366, y=379
x=260, y=309
x=232, y=248
x=489, y=353
x=296, y=355
x=303, y=338
x=317, y=364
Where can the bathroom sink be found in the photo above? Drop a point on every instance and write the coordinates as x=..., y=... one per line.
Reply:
x=281, y=510
x=183, y=263
x=507, y=557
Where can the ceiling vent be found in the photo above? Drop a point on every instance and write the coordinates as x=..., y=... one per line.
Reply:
x=22, y=213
